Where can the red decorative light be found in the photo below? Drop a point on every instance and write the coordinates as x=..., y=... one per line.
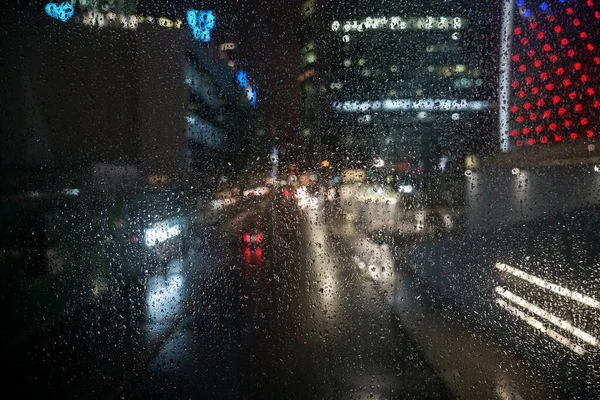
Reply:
x=552, y=127
x=568, y=123
x=577, y=66
x=584, y=78
x=590, y=46
x=517, y=31
x=539, y=128
x=583, y=121
x=560, y=71
x=532, y=116
x=578, y=107
x=546, y=113
x=516, y=58
x=520, y=119
x=544, y=75
x=528, y=80
x=544, y=139
x=519, y=142
x=566, y=82
x=537, y=63
x=531, y=53
x=540, y=35
x=531, y=141
x=524, y=40
x=564, y=41
x=557, y=29
x=553, y=58
x=526, y=131
x=514, y=133
x=583, y=35
x=556, y=99
x=514, y=84
x=521, y=93
x=558, y=138
x=571, y=53
x=522, y=68
x=535, y=90
x=572, y=95
x=597, y=60
x=547, y=47
x=562, y=111
x=527, y=106
x=550, y=86
x=590, y=91
x=569, y=11
x=589, y=133
x=576, y=22
x=539, y=103
x=514, y=109
x=573, y=135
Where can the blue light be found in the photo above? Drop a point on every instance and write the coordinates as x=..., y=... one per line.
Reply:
x=253, y=97
x=526, y=13
x=63, y=11
x=201, y=23
x=544, y=6
x=520, y=3
x=242, y=79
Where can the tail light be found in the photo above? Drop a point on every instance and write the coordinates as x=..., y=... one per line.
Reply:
x=247, y=238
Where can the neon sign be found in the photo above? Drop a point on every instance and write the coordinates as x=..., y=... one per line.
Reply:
x=201, y=23
x=63, y=11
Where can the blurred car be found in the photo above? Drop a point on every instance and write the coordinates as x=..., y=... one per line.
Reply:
x=252, y=242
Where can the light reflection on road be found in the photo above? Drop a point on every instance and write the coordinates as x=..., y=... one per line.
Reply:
x=164, y=298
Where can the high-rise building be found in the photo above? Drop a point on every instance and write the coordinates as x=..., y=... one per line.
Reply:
x=402, y=84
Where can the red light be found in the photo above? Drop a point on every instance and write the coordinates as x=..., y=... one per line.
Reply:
x=259, y=254
x=560, y=71
x=527, y=106
x=517, y=31
x=539, y=103
x=533, y=25
x=521, y=93
x=528, y=80
x=583, y=121
x=584, y=78
x=550, y=86
x=556, y=99
x=258, y=238
x=531, y=141
x=571, y=53
x=573, y=135
x=522, y=68
x=597, y=14
x=597, y=60
x=540, y=35
x=572, y=95
x=544, y=139
x=552, y=127
x=566, y=82
x=583, y=35
x=516, y=58
x=562, y=111
x=590, y=3
x=247, y=255
x=590, y=91
x=520, y=142
x=535, y=90
x=553, y=58
x=596, y=103
x=514, y=133
x=514, y=109
x=537, y=63
x=546, y=113
x=539, y=128
x=578, y=107
x=557, y=29
x=531, y=53
x=544, y=75
x=532, y=117
x=589, y=133
x=524, y=40
x=569, y=10
x=576, y=22
x=564, y=41
x=547, y=47
x=247, y=238
x=558, y=138
x=577, y=66
x=514, y=84
x=520, y=119
x=526, y=131
x=590, y=46
x=568, y=123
